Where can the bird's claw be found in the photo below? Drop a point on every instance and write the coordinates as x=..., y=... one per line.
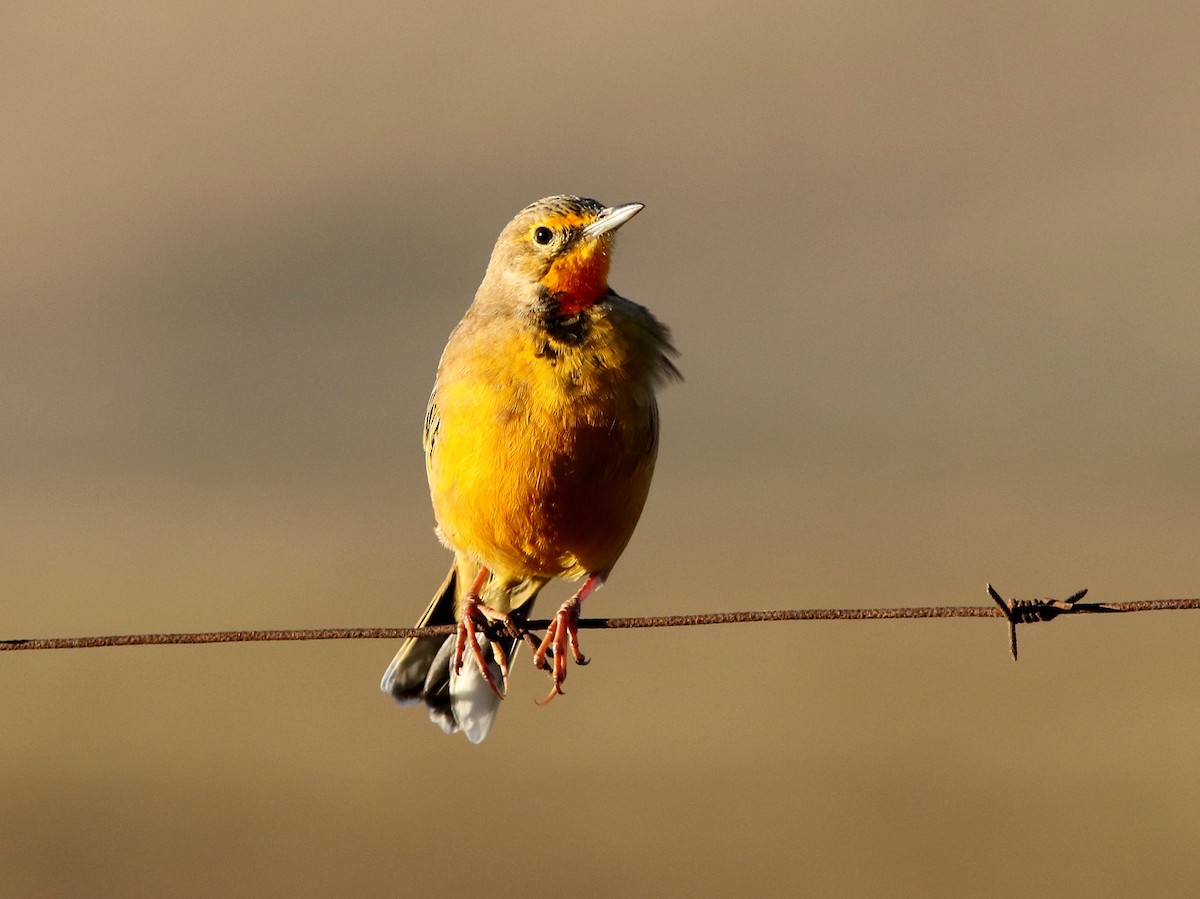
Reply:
x=476, y=618
x=562, y=634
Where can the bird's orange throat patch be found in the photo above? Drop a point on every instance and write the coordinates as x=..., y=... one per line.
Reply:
x=579, y=277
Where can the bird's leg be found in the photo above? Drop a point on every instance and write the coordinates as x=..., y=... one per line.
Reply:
x=564, y=632
x=472, y=615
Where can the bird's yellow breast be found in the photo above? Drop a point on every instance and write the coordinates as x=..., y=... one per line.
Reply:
x=543, y=451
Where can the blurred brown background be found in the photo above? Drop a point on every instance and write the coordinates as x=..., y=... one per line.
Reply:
x=934, y=275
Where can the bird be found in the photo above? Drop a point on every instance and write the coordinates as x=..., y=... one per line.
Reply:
x=540, y=441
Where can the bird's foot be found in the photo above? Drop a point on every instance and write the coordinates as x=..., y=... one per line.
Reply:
x=477, y=617
x=563, y=633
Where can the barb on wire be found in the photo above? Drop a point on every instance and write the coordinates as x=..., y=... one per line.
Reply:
x=1015, y=612
x=1027, y=611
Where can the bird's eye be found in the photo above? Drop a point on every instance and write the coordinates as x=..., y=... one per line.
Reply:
x=543, y=235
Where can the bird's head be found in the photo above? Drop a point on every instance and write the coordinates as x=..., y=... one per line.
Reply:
x=561, y=246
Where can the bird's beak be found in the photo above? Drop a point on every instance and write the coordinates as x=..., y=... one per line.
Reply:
x=611, y=218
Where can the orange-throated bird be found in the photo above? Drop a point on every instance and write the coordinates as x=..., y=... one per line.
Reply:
x=540, y=440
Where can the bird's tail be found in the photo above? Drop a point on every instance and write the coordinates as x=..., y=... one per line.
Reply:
x=423, y=668
x=405, y=677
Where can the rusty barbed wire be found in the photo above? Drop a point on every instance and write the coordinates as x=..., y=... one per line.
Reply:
x=1015, y=612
